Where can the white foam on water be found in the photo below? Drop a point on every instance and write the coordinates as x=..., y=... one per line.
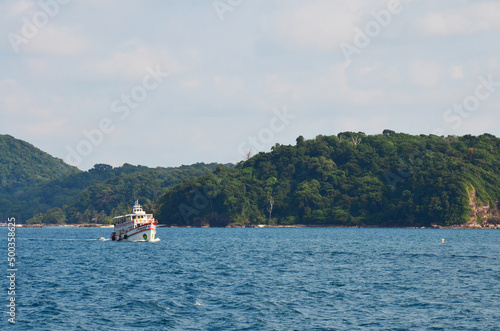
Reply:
x=59, y=239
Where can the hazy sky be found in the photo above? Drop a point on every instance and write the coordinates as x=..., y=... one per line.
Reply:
x=165, y=83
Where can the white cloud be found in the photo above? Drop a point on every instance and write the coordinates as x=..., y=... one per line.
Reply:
x=492, y=64
x=133, y=62
x=392, y=75
x=229, y=85
x=58, y=41
x=456, y=72
x=425, y=74
x=194, y=83
x=324, y=23
x=45, y=128
x=332, y=87
x=19, y=103
x=276, y=53
x=16, y=8
x=13, y=97
x=38, y=66
x=478, y=17
x=367, y=70
x=277, y=86
x=336, y=85
x=28, y=116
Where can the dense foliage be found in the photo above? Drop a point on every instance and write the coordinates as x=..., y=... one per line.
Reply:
x=22, y=164
x=39, y=188
x=390, y=179
x=116, y=195
x=352, y=179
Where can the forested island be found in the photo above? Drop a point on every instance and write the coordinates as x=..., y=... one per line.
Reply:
x=40, y=189
x=350, y=179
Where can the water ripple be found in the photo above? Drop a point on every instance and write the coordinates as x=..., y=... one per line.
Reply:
x=259, y=279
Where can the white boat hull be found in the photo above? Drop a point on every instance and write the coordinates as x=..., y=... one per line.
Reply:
x=137, y=226
x=143, y=233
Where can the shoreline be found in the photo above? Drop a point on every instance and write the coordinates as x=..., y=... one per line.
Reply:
x=264, y=226
x=37, y=226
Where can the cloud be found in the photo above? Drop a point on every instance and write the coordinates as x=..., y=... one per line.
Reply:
x=24, y=112
x=132, y=63
x=277, y=86
x=13, y=97
x=324, y=24
x=194, y=83
x=392, y=75
x=38, y=66
x=478, y=17
x=456, y=72
x=331, y=87
x=56, y=41
x=425, y=74
x=229, y=85
x=492, y=64
x=336, y=85
x=233, y=73
x=18, y=7
x=367, y=70
x=45, y=128
x=18, y=103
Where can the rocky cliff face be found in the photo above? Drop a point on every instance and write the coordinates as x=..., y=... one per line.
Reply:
x=482, y=215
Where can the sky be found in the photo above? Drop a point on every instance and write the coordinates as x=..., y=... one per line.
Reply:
x=166, y=83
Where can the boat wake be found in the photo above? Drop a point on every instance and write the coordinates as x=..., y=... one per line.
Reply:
x=59, y=239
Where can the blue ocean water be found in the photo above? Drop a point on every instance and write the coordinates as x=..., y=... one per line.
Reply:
x=257, y=279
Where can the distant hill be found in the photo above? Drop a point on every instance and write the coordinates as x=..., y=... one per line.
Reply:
x=116, y=195
x=352, y=179
x=24, y=165
x=39, y=188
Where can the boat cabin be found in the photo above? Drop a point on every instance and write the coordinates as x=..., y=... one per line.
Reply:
x=138, y=217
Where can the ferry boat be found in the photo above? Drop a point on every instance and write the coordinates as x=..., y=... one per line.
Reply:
x=137, y=226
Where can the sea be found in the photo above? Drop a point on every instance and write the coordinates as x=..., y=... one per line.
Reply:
x=255, y=279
